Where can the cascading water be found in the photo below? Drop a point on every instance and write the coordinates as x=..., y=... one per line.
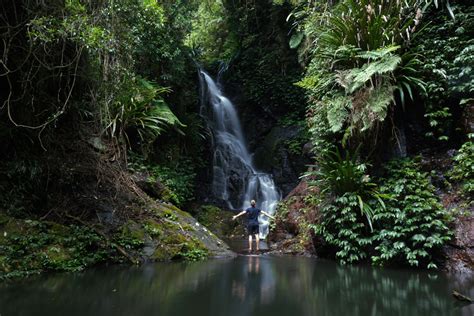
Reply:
x=235, y=179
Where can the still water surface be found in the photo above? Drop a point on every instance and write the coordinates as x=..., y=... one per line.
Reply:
x=244, y=285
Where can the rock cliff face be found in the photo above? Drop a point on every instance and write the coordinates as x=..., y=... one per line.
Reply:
x=291, y=234
x=460, y=251
x=281, y=153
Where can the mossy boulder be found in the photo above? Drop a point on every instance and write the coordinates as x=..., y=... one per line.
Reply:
x=218, y=221
x=169, y=247
x=177, y=246
x=170, y=234
x=200, y=239
x=133, y=231
x=153, y=228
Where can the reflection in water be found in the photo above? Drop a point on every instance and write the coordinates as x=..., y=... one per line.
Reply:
x=254, y=285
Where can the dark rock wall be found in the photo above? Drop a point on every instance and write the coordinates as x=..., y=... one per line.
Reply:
x=460, y=251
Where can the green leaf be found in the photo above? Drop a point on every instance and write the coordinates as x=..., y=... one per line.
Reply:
x=296, y=39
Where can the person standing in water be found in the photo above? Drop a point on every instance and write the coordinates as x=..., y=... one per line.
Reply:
x=252, y=224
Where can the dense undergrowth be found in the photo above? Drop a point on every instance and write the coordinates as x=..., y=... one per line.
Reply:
x=402, y=224
x=463, y=169
x=86, y=85
x=369, y=64
x=176, y=177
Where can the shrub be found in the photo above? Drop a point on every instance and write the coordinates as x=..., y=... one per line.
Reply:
x=339, y=174
x=193, y=254
x=140, y=107
x=357, y=60
x=463, y=169
x=447, y=46
x=177, y=176
x=349, y=198
x=343, y=228
x=414, y=226
x=409, y=224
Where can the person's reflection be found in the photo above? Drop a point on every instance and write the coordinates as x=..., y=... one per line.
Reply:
x=254, y=264
x=256, y=285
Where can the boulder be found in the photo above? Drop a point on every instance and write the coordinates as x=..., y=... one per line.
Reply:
x=150, y=186
x=460, y=251
x=291, y=234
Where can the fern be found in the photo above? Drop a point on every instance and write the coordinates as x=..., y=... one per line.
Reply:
x=377, y=106
x=338, y=111
x=357, y=51
x=139, y=107
x=378, y=63
x=407, y=76
x=340, y=174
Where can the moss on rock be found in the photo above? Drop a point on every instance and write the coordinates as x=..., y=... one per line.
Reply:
x=57, y=256
x=177, y=246
x=133, y=230
x=217, y=221
x=153, y=229
x=161, y=233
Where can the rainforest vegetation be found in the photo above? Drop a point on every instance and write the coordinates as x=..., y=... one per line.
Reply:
x=104, y=151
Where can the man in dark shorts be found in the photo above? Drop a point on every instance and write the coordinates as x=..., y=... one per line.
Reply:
x=252, y=223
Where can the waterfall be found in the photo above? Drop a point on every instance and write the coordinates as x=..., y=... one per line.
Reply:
x=235, y=180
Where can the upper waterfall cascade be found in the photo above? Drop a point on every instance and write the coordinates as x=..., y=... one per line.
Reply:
x=235, y=179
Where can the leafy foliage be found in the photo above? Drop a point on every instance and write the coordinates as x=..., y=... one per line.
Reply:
x=342, y=228
x=463, y=169
x=178, y=177
x=414, y=226
x=40, y=246
x=211, y=37
x=339, y=174
x=109, y=62
x=140, y=107
x=195, y=254
x=409, y=224
x=446, y=45
x=357, y=60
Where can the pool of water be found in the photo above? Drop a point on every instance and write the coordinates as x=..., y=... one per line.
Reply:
x=246, y=285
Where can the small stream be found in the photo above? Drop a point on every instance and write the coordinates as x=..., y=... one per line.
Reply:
x=246, y=285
